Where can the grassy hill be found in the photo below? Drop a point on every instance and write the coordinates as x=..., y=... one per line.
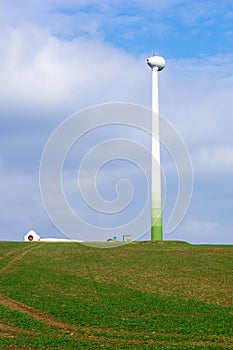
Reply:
x=139, y=296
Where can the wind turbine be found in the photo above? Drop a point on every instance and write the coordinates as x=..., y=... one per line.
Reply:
x=156, y=63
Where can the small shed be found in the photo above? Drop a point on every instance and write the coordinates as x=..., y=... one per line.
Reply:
x=127, y=238
x=31, y=236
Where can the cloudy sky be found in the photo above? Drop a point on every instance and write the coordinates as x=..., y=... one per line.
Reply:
x=60, y=57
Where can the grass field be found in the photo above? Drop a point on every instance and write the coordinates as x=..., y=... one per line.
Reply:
x=139, y=296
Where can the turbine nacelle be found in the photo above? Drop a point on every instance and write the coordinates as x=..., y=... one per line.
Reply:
x=156, y=62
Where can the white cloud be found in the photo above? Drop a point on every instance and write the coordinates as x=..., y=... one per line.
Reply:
x=196, y=231
x=40, y=70
x=20, y=203
x=217, y=160
x=196, y=95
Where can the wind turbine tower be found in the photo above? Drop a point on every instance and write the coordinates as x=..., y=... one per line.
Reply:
x=156, y=63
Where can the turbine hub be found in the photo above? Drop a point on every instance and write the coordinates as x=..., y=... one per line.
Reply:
x=156, y=62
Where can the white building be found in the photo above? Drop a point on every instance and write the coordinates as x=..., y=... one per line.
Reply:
x=31, y=236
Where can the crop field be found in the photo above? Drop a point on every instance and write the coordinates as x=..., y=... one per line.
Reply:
x=138, y=296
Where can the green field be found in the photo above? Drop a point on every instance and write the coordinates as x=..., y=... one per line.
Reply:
x=139, y=296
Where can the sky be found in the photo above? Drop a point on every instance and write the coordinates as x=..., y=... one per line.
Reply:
x=58, y=58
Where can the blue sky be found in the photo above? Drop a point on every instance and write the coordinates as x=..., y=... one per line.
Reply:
x=58, y=57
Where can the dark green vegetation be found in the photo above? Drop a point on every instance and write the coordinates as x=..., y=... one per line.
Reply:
x=139, y=296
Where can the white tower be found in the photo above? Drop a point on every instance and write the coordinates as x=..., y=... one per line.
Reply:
x=156, y=63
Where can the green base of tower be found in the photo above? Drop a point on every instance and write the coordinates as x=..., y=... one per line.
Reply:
x=156, y=218
x=156, y=231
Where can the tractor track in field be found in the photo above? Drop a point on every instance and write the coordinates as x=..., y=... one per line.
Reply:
x=19, y=256
x=37, y=314
x=11, y=331
x=11, y=252
x=95, y=333
x=46, y=318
